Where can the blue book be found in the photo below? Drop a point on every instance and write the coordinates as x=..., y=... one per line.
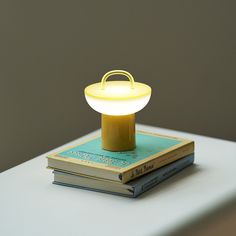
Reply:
x=131, y=189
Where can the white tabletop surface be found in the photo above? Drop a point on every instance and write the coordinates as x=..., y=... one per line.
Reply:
x=31, y=205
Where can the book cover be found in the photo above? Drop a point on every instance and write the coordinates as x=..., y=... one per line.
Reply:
x=131, y=189
x=153, y=151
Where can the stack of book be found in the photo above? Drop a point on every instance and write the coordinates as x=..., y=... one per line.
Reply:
x=155, y=158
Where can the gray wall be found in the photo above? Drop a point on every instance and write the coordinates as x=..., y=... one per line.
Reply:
x=50, y=50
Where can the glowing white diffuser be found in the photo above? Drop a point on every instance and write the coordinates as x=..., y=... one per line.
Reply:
x=118, y=101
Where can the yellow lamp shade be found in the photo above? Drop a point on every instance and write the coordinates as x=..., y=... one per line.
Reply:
x=117, y=97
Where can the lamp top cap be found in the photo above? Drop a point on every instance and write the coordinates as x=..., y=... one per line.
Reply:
x=118, y=90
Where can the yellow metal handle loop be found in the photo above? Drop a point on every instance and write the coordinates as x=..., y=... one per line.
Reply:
x=117, y=72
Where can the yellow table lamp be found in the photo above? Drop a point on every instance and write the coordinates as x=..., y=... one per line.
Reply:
x=118, y=101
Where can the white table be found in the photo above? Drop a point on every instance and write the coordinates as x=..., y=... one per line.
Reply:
x=31, y=205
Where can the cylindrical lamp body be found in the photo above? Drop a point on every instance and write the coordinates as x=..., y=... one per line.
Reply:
x=118, y=132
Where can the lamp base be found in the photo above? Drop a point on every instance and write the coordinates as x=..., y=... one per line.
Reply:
x=118, y=132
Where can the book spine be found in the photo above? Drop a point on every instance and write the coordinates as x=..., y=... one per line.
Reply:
x=164, y=174
x=157, y=162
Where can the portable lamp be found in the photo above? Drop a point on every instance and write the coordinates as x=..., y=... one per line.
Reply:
x=118, y=101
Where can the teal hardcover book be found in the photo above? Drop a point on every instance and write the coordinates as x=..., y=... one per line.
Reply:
x=152, y=152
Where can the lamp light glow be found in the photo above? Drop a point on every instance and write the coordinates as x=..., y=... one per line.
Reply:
x=118, y=98
x=118, y=107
